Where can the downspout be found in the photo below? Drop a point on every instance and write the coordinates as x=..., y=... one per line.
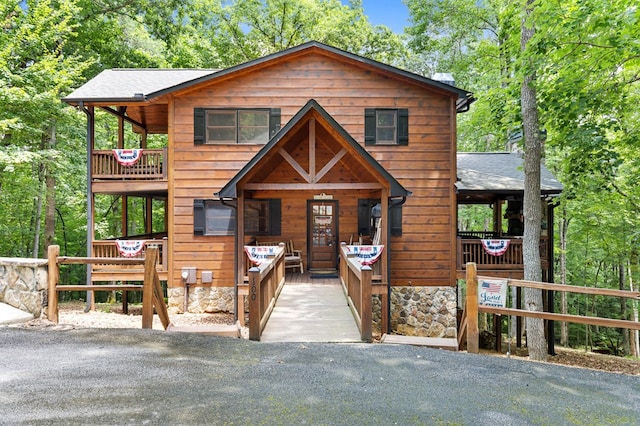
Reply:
x=235, y=261
x=393, y=203
x=90, y=127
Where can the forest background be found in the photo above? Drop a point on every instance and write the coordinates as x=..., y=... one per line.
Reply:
x=585, y=55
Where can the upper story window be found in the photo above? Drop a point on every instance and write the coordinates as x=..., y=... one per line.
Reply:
x=235, y=126
x=386, y=126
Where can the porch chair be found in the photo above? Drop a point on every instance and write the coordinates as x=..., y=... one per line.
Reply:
x=293, y=257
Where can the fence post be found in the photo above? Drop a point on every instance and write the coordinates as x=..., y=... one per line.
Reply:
x=255, y=312
x=472, y=309
x=366, y=316
x=52, y=281
x=147, y=289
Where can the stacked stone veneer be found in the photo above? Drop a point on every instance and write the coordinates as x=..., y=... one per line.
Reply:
x=201, y=300
x=23, y=284
x=424, y=311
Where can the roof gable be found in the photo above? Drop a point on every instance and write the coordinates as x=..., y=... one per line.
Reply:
x=350, y=149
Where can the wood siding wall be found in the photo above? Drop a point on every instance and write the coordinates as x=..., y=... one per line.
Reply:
x=423, y=255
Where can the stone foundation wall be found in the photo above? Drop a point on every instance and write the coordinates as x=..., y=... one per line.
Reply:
x=23, y=284
x=424, y=311
x=201, y=300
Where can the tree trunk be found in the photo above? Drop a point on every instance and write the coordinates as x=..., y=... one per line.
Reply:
x=532, y=205
x=50, y=208
x=634, y=340
x=564, y=326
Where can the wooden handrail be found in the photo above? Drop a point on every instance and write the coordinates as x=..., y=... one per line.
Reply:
x=356, y=283
x=265, y=284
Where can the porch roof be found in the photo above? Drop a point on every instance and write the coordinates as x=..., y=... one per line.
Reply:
x=499, y=173
x=396, y=189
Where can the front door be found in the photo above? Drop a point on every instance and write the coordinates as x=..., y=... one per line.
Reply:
x=322, y=231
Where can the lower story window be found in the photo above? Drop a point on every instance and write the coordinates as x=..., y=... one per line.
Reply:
x=212, y=217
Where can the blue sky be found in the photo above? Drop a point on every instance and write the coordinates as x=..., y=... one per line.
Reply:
x=392, y=13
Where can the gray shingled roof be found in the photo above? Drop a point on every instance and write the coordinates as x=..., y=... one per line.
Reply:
x=498, y=172
x=124, y=84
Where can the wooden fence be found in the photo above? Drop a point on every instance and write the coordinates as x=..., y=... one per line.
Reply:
x=265, y=284
x=469, y=322
x=152, y=296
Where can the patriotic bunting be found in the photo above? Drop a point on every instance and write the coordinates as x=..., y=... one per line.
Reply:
x=127, y=157
x=495, y=247
x=366, y=255
x=259, y=254
x=130, y=248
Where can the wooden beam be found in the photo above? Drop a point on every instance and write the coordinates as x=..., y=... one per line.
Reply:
x=312, y=150
x=296, y=166
x=312, y=186
x=572, y=288
x=330, y=165
x=603, y=322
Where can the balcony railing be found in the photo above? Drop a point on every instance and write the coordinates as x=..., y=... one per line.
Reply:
x=472, y=250
x=104, y=165
x=109, y=249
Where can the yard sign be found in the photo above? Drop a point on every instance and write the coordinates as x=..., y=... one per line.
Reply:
x=492, y=293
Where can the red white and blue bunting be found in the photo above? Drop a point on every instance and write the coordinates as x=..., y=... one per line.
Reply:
x=366, y=255
x=130, y=248
x=495, y=247
x=127, y=157
x=259, y=254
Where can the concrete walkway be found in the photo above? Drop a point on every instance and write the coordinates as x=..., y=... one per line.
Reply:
x=311, y=311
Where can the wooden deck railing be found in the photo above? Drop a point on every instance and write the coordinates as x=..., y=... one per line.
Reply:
x=470, y=250
x=151, y=165
x=469, y=323
x=356, y=282
x=112, y=272
x=152, y=296
x=265, y=284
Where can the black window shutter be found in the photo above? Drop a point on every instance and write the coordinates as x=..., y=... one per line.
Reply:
x=198, y=217
x=274, y=121
x=199, y=126
x=395, y=219
x=369, y=126
x=364, y=216
x=403, y=126
x=275, y=216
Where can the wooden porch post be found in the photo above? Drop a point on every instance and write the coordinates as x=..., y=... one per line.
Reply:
x=254, y=303
x=54, y=276
x=472, y=309
x=366, y=316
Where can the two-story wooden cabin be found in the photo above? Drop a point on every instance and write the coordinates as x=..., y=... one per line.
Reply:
x=312, y=145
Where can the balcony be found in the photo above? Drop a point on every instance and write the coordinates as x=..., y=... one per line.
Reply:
x=147, y=175
x=109, y=249
x=510, y=264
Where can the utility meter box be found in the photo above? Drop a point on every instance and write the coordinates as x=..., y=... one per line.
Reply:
x=207, y=277
x=189, y=274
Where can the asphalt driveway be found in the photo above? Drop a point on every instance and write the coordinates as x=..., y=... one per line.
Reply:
x=154, y=377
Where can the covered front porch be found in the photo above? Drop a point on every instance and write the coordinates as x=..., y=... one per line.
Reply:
x=314, y=187
x=490, y=222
